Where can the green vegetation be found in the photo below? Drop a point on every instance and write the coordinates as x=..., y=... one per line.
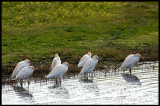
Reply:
x=112, y=30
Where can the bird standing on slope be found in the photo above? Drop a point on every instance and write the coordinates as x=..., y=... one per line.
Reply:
x=56, y=61
x=84, y=59
x=90, y=65
x=58, y=71
x=131, y=60
x=19, y=67
x=25, y=73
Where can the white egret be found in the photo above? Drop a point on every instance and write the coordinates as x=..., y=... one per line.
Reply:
x=131, y=60
x=56, y=61
x=84, y=59
x=19, y=67
x=25, y=73
x=58, y=71
x=90, y=65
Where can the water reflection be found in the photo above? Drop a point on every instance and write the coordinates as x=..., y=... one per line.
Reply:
x=22, y=92
x=89, y=86
x=54, y=86
x=59, y=91
x=86, y=80
x=130, y=78
x=101, y=89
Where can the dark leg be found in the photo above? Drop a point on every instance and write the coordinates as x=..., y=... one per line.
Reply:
x=28, y=80
x=81, y=76
x=21, y=83
x=56, y=81
x=123, y=71
x=60, y=80
x=87, y=75
x=130, y=70
x=91, y=74
x=84, y=75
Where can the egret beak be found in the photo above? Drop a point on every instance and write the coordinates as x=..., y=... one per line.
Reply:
x=35, y=68
x=70, y=64
x=142, y=58
x=30, y=62
x=99, y=58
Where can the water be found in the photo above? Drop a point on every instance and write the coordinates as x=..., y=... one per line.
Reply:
x=140, y=87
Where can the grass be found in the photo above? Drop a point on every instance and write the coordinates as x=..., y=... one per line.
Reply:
x=112, y=30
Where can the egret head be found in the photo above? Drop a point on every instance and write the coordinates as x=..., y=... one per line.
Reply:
x=56, y=55
x=67, y=64
x=96, y=57
x=28, y=61
x=138, y=55
x=89, y=53
x=31, y=67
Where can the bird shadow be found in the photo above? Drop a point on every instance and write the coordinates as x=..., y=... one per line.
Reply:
x=90, y=86
x=54, y=86
x=22, y=92
x=86, y=80
x=131, y=79
x=58, y=91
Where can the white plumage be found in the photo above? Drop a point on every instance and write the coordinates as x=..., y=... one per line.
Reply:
x=131, y=60
x=19, y=67
x=25, y=72
x=58, y=71
x=56, y=61
x=90, y=64
x=84, y=59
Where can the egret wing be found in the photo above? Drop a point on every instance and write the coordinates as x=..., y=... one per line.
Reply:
x=83, y=60
x=88, y=66
x=18, y=68
x=24, y=73
x=58, y=62
x=54, y=62
x=58, y=70
x=128, y=61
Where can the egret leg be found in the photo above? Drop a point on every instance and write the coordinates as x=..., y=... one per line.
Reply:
x=21, y=83
x=28, y=81
x=60, y=80
x=56, y=81
x=87, y=75
x=91, y=74
x=123, y=71
x=81, y=76
x=130, y=70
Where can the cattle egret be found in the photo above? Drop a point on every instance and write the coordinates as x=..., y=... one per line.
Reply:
x=25, y=73
x=56, y=61
x=58, y=71
x=84, y=59
x=130, y=61
x=90, y=65
x=19, y=67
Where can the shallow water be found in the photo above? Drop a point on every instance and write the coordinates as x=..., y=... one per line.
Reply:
x=106, y=87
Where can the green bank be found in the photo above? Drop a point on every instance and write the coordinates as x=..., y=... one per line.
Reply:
x=111, y=30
